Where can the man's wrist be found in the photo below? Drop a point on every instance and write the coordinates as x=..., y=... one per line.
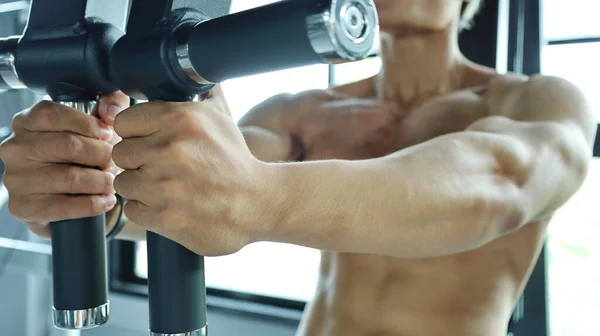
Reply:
x=303, y=202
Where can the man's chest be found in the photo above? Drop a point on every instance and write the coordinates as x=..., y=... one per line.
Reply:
x=441, y=115
x=365, y=128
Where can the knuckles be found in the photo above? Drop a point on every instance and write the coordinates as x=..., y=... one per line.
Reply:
x=67, y=145
x=186, y=120
x=122, y=151
x=70, y=177
x=44, y=113
x=176, y=152
x=15, y=207
x=11, y=149
x=13, y=181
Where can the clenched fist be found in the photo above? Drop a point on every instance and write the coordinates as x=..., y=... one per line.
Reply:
x=190, y=176
x=58, y=162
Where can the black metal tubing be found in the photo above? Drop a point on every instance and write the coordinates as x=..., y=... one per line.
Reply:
x=269, y=38
x=65, y=54
x=153, y=30
x=176, y=287
x=79, y=264
x=575, y=41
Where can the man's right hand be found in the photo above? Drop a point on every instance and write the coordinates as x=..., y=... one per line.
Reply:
x=58, y=163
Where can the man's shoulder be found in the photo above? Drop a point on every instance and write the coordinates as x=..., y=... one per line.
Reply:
x=532, y=88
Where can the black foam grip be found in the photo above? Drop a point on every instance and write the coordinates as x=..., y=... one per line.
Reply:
x=176, y=287
x=268, y=38
x=79, y=263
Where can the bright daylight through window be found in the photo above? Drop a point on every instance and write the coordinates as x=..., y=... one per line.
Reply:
x=574, y=295
x=573, y=249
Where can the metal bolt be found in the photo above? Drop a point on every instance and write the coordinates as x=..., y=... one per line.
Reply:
x=354, y=21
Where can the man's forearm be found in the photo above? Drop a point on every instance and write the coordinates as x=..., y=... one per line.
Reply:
x=442, y=197
x=450, y=194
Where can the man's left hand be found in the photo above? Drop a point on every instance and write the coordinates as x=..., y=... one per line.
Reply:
x=190, y=176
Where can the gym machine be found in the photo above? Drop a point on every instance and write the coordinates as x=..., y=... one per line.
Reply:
x=171, y=50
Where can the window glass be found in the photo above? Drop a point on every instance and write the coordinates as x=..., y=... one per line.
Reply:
x=355, y=71
x=244, y=93
x=570, y=19
x=242, y=5
x=573, y=249
x=578, y=63
x=573, y=259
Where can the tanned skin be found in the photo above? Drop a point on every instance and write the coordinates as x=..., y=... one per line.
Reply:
x=429, y=187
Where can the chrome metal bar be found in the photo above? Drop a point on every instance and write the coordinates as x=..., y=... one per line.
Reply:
x=8, y=71
x=86, y=107
x=27, y=257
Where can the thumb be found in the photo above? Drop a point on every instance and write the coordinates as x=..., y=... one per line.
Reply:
x=110, y=105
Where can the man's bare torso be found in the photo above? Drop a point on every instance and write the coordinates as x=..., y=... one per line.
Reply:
x=472, y=293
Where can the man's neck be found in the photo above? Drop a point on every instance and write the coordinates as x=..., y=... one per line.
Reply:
x=417, y=66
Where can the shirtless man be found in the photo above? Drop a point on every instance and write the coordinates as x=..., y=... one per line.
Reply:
x=430, y=186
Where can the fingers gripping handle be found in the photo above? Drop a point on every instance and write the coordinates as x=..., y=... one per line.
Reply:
x=79, y=266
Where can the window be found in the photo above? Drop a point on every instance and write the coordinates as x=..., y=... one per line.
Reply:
x=573, y=250
x=577, y=62
x=571, y=19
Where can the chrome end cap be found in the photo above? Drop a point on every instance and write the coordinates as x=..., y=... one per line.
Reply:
x=347, y=31
x=81, y=319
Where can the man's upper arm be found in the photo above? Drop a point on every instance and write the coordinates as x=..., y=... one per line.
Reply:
x=545, y=99
x=271, y=128
x=549, y=127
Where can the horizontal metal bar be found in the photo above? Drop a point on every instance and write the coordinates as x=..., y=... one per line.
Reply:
x=13, y=6
x=27, y=257
x=575, y=40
